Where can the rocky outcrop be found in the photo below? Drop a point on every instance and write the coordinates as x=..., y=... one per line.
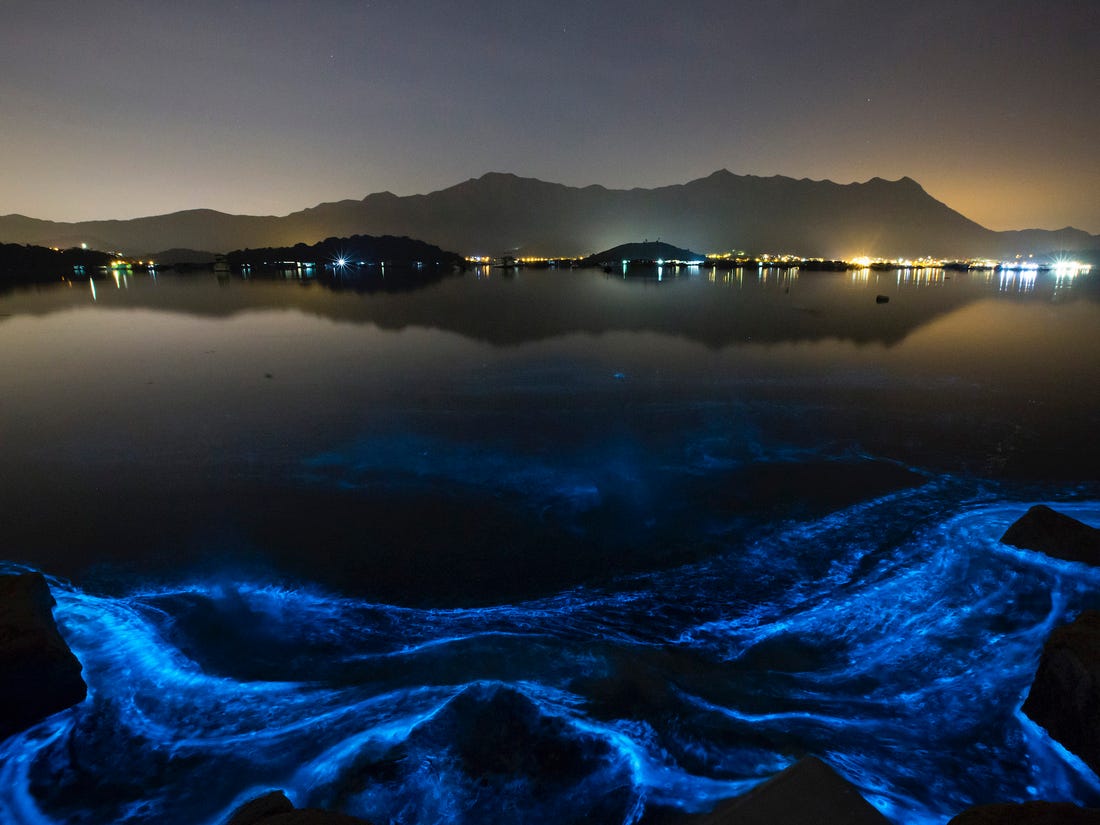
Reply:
x=263, y=807
x=275, y=809
x=1056, y=534
x=1065, y=695
x=1028, y=813
x=39, y=675
x=809, y=792
x=495, y=734
x=494, y=754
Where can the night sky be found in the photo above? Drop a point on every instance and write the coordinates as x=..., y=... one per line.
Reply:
x=121, y=108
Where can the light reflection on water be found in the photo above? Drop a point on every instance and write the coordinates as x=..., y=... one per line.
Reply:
x=676, y=533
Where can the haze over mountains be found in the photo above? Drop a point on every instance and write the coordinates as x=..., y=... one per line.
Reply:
x=499, y=214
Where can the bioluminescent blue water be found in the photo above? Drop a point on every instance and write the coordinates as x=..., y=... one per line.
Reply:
x=557, y=547
x=895, y=638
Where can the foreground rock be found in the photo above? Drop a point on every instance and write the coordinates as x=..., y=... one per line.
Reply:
x=809, y=792
x=493, y=753
x=275, y=809
x=1056, y=534
x=39, y=675
x=1065, y=695
x=1028, y=813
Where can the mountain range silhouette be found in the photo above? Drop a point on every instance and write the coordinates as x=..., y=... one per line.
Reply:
x=503, y=214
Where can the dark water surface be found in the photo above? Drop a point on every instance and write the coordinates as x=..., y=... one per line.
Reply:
x=554, y=547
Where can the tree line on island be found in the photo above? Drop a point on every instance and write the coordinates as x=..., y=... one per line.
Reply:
x=341, y=259
x=30, y=264
x=351, y=253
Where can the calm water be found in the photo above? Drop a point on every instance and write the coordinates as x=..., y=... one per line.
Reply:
x=545, y=547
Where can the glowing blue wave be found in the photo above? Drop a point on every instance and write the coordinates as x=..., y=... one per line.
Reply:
x=895, y=639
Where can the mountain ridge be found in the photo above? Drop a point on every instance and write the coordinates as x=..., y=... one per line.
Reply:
x=504, y=213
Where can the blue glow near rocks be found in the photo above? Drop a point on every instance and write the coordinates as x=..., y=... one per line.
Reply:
x=895, y=639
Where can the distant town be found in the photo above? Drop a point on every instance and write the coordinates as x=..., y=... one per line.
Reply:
x=741, y=260
x=360, y=255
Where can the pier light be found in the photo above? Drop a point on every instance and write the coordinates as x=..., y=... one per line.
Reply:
x=1064, y=268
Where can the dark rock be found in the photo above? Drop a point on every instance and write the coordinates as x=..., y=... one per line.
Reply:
x=1056, y=534
x=1028, y=813
x=39, y=675
x=274, y=808
x=642, y=252
x=260, y=808
x=1065, y=695
x=312, y=816
x=110, y=757
x=495, y=731
x=492, y=753
x=882, y=299
x=809, y=792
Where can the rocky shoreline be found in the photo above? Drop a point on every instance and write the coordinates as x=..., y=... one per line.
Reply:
x=40, y=676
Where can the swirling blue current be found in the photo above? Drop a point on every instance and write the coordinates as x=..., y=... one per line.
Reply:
x=895, y=638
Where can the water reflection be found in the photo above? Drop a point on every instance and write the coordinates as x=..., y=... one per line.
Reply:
x=922, y=277
x=1019, y=282
x=190, y=391
x=766, y=304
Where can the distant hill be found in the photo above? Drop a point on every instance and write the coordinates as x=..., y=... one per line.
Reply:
x=499, y=214
x=644, y=251
x=352, y=252
x=24, y=263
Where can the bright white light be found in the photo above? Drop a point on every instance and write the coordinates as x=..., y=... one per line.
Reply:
x=341, y=261
x=1070, y=269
